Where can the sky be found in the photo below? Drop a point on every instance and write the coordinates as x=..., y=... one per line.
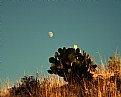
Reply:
x=25, y=46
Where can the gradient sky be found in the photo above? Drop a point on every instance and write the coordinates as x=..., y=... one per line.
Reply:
x=94, y=25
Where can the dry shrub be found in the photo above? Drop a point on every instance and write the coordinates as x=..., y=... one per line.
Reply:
x=106, y=84
x=100, y=86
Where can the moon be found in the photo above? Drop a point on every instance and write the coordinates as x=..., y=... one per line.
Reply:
x=50, y=34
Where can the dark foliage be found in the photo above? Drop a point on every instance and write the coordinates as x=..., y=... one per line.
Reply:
x=29, y=87
x=71, y=64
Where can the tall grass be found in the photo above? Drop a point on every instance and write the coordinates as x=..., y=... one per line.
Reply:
x=106, y=83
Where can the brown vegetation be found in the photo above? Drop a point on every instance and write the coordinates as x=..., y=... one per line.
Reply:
x=106, y=84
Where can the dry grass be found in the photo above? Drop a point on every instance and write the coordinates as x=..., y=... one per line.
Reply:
x=106, y=83
x=100, y=86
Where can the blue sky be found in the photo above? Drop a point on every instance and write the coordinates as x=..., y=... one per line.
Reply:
x=94, y=25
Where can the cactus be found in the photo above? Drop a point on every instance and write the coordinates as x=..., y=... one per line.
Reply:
x=71, y=64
